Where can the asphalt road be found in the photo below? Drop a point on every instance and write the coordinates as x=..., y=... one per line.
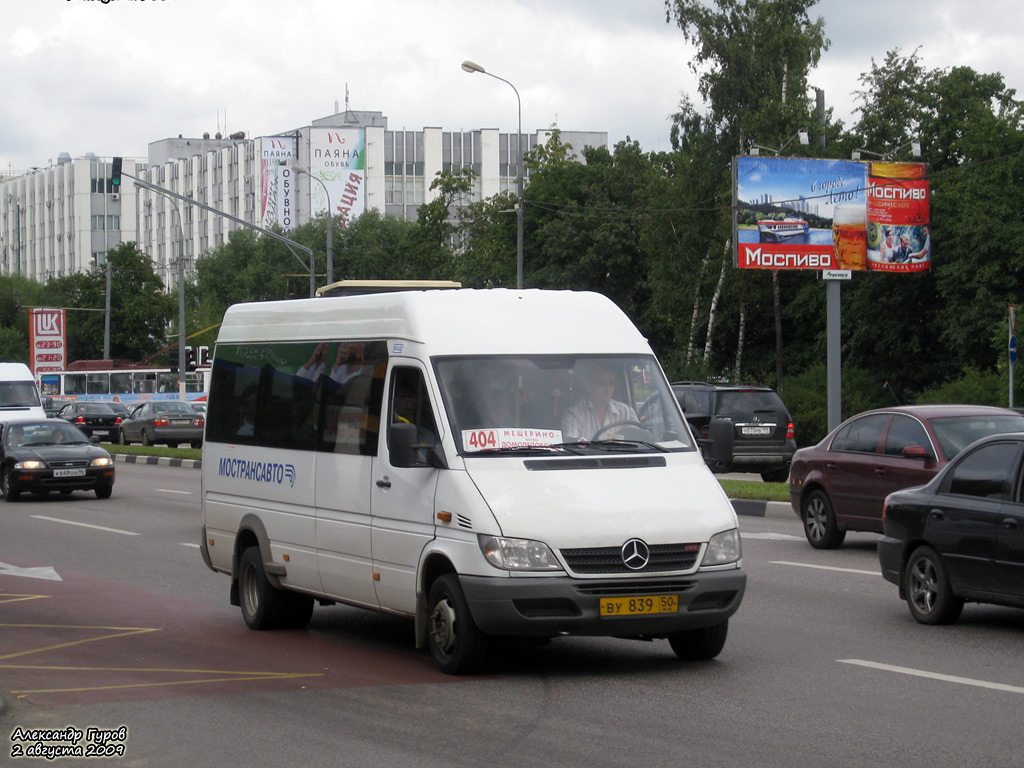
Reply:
x=824, y=665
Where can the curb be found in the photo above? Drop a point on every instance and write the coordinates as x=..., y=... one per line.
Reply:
x=753, y=508
x=158, y=460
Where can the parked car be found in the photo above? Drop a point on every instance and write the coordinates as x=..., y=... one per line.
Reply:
x=840, y=484
x=93, y=418
x=959, y=538
x=162, y=421
x=763, y=438
x=44, y=455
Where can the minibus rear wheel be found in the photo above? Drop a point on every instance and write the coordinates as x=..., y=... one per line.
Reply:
x=456, y=643
x=263, y=606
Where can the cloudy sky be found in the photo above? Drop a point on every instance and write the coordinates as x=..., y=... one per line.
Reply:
x=110, y=76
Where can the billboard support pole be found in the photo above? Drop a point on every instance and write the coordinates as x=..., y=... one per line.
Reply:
x=833, y=342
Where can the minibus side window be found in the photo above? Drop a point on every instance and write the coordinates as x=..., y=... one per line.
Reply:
x=351, y=398
x=324, y=396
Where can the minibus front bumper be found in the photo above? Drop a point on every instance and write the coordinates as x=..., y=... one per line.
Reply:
x=546, y=607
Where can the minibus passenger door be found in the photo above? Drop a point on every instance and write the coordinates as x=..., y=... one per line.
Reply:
x=405, y=478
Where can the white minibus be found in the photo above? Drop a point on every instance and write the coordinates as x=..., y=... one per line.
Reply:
x=489, y=463
x=19, y=395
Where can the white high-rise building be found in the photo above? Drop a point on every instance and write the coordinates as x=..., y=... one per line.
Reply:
x=62, y=219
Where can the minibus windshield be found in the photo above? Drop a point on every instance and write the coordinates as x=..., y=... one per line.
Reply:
x=546, y=403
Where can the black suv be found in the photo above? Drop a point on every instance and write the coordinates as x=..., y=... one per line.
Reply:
x=762, y=430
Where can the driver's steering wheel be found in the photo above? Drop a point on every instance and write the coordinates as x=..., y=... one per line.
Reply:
x=625, y=423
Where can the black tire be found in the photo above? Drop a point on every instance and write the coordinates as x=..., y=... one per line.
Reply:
x=700, y=644
x=197, y=444
x=456, y=643
x=122, y=439
x=263, y=605
x=820, y=526
x=145, y=438
x=298, y=612
x=928, y=593
x=104, y=493
x=776, y=476
x=10, y=493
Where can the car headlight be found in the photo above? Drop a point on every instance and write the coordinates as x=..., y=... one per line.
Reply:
x=102, y=461
x=31, y=464
x=518, y=554
x=723, y=548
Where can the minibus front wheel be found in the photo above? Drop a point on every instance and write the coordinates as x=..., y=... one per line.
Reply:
x=456, y=643
x=700, y=644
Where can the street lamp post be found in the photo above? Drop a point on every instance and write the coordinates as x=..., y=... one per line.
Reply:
x=330, y=222
x=472, y=67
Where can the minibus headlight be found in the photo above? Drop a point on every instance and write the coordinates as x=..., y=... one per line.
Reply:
x=518, y=554
x=33, y=464
x=724, y=548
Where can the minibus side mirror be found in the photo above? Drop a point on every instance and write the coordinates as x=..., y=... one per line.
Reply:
x=721, y=433
x=407, y=451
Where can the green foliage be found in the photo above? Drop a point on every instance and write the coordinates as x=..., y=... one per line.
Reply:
x=972, y=386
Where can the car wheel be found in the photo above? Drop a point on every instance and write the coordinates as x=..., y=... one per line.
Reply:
x=820, y=525
x=7, y=488
x=455, y=642
x=122, y=438
x=929, y=596
x=145, y=438
x=197, y=444
x=700, y=644
x=776, y=476
x=104, y=493
x=263, y=605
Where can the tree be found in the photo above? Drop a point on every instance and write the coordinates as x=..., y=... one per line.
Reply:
x=753, y=59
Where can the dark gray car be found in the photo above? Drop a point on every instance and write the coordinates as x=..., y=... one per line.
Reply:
x=163, y=421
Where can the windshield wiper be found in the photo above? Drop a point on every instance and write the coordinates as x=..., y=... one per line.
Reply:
x=625, y=445
x=526, y=448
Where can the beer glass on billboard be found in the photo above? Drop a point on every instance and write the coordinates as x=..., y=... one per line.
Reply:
x=849, y=236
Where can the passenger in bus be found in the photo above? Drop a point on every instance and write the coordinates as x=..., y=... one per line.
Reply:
x=249, y=399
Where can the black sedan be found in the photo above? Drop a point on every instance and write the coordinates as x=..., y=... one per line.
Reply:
x=93, y=418
x=41, y=456
x=959, y=538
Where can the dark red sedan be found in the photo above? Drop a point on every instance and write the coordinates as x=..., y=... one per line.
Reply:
x=840, y=484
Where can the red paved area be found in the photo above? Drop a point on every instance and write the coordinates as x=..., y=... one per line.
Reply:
x=86, y=640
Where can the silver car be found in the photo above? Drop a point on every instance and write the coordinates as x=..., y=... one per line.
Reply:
x=162, y=421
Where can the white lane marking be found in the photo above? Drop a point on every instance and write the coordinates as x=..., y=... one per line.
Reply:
x=827, y=568
x=37, y=572
x=772, y=536
x=169, y=490
x=84, y=525
x=934, y=675
x=187, y=544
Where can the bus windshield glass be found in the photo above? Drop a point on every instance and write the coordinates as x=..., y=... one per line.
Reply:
x=544, y=403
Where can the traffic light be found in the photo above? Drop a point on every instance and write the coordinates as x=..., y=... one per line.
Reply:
x=115, y=174
x=190, y=358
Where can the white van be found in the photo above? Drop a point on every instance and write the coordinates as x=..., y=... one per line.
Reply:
x=487, y=462
x=19, y=395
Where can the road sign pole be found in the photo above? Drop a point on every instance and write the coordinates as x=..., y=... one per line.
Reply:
x=1013, y=348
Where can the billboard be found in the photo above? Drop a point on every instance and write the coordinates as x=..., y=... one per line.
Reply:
x=47, y=340
x=277, y=182
x=794, y=213
x=337, y=157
